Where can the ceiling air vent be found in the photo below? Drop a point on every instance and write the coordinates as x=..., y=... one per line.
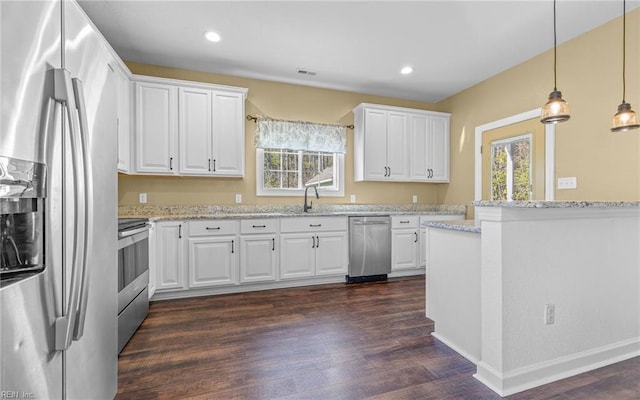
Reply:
x=306, y=72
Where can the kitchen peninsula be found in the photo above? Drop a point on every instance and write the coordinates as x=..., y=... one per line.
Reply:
x=552, y=289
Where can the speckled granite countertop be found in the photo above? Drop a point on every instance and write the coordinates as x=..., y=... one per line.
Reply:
x=466, y=225
x=161, y=213
x=558, y=204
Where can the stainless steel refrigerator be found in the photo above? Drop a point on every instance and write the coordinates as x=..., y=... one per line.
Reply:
x=58, y=204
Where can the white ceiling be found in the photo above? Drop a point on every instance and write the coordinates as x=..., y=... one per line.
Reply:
x=356, y=46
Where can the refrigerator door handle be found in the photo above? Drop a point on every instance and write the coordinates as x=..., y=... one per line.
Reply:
x=64, y=325
x=87, y=198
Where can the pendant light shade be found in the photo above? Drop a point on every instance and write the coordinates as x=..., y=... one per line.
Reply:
x=557, y=109
x=625, y=119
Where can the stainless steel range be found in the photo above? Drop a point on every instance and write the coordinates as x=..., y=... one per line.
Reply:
x=133, y=276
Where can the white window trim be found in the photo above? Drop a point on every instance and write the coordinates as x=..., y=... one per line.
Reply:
x=550, y=151
x=261, y=191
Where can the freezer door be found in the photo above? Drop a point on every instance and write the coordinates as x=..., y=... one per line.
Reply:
x=91, y=362
x=30, y=44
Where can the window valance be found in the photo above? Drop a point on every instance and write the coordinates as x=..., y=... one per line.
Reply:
x=300, y=135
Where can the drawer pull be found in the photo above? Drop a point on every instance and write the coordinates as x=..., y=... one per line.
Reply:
x=217, y=228
x=232, y=247
x=404, y=222
x=315, y=225
x=259, y=226
x=273, y=244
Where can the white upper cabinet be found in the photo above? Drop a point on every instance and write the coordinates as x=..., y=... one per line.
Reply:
x=429, y=148
x=156, y=128
x=195, y=131
x=228, y=134
x=205, y=124
x=400, y=144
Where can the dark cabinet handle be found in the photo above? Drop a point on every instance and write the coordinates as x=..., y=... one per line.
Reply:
x=318, y=242
x=404, y=222
x=273, y=244
x=217, y=228
x=389, y=171
x=180, y=231
x=416, y=241
x=209, y=165
x=313, y=242
x=214, y=165
x=232, y=247
x=171, y=163
x=258, y=226
x=315, y=225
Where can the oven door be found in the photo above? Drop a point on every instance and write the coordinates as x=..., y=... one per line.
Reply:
x=133, y=266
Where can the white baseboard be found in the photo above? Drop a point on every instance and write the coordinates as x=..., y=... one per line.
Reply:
x=521, y=379
x=457, y=349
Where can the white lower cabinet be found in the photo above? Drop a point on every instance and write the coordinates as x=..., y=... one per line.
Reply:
x=213, y=253
x=404, y=242
x=313, y=246
x=258, y=250
x=170, y=260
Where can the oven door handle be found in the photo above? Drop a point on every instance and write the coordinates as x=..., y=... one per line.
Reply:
x=132, y=232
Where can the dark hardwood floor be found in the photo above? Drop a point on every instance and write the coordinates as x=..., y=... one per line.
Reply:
x=319, y=342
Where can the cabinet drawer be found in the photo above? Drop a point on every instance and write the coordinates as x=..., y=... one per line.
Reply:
x=248, y=226
x=313, y=224
x=213, y=227
x=405, y=221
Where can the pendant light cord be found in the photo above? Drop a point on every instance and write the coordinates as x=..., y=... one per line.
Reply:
x=624, y=48
x=555, y=88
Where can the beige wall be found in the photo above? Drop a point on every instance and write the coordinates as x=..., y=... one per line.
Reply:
x=282, y=101
x=589, y=75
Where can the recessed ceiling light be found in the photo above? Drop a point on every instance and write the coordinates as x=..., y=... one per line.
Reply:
x=212, y=36
x=406, y=70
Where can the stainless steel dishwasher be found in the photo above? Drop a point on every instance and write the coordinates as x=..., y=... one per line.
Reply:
x=369, y=248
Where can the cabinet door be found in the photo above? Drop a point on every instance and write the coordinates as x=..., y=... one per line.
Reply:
x=375, y=145
x=297, y=255
x=438, y=149
x=331, y=253
x=228, y=134
x=124, y=121
x=195, y=131
x=404, y=249
x=170, y=256
x=258, y=258
x=212, y=261
x=156, y=130
x=397, y=146
x=418, y=127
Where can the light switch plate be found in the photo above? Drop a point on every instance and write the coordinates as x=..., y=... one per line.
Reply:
x=568, y=183
x=142, y=198
x=353, y=198
x=414, y=199
x=238, y=198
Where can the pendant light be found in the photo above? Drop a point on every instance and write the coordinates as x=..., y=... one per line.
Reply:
x=556, y=110
x=625, y=119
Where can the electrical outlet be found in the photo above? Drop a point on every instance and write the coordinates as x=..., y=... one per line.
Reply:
x=568, y=183
x=549, y=314
x=238, y=198
x=414, y=199
x=142, y=198
x=353, y=198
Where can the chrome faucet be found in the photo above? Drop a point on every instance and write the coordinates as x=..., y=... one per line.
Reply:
x=308, y=207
